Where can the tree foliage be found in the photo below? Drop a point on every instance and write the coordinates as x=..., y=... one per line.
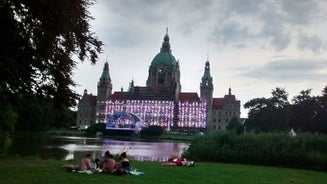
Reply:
x=39, y=41
x=235, y=125
x=41, y=38
x=307, y=113
x=304, y=110
x=268, y=114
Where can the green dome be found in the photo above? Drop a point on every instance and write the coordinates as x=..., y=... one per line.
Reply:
x=165, y=58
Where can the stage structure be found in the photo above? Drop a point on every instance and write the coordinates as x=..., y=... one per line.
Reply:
x=125, y=121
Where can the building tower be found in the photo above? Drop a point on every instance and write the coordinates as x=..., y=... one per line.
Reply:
x=86, y=110
x=206, y=91
x=104, y=92
x=164, y=70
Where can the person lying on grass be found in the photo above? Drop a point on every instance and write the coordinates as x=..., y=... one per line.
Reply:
x=84, y=165
x=179, y=162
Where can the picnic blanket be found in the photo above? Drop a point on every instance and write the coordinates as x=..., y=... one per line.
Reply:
x=136, y=173
x=85, y=172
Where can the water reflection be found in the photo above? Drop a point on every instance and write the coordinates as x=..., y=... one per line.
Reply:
x=68, y=147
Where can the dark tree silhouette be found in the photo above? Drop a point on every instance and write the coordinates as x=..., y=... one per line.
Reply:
x=39, y=39
x=304, y=111
x=321, y=119
x=268, y=114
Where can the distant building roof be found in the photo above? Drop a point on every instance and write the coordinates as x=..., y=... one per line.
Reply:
x=144, y=93
x=189, y=97
x=218, y=103
x=117, y=96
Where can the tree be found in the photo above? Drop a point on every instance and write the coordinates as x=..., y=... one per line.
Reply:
x=235, y=125
x=321, y=118
x=304, y=110
x=268, y=114
x=39, y=41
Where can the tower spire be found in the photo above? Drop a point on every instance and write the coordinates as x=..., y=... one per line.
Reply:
x=105, y=73
x=206, y=75
x=103, y=93
x=165, y=44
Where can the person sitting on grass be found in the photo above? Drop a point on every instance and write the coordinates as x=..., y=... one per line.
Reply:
x=109, y=165
x=96, y=165
x=124, y=162
x=104, y=158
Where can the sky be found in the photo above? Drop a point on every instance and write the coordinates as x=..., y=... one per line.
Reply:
x=253, y=46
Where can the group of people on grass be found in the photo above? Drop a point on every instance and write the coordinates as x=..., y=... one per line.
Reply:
x=107, y=164
x=110, y=166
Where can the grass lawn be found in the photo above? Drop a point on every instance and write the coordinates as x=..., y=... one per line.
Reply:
x=34, y=170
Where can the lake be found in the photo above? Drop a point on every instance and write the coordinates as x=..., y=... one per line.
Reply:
x=72, y=147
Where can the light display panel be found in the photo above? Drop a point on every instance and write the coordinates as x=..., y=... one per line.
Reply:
x=161, y=113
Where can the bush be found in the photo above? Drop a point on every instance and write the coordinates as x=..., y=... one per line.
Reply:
x=5, y=142
x=153, y=131
x=98, y=127
x=303, y=151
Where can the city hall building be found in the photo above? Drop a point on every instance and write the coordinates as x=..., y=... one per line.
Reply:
x=161, y=102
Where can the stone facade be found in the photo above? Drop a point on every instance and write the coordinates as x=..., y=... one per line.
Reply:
x=86, y=111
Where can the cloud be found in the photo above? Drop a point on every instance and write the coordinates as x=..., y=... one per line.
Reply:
x=289, y=70
x=313, y=43
x=273, y=25
x=270, y=24
x=300, y=12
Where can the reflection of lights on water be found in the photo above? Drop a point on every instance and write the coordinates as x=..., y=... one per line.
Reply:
x=70, y=156
x=76, y=147
x=141, y=151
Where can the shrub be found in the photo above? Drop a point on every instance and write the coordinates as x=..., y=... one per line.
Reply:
x=303, y=151
x=153, y=131
x=98, y=127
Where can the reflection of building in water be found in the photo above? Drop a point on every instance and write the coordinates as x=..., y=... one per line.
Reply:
x=161, y=102
x=141, y=151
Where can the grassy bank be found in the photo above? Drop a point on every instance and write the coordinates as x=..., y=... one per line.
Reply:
x=33, y=170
